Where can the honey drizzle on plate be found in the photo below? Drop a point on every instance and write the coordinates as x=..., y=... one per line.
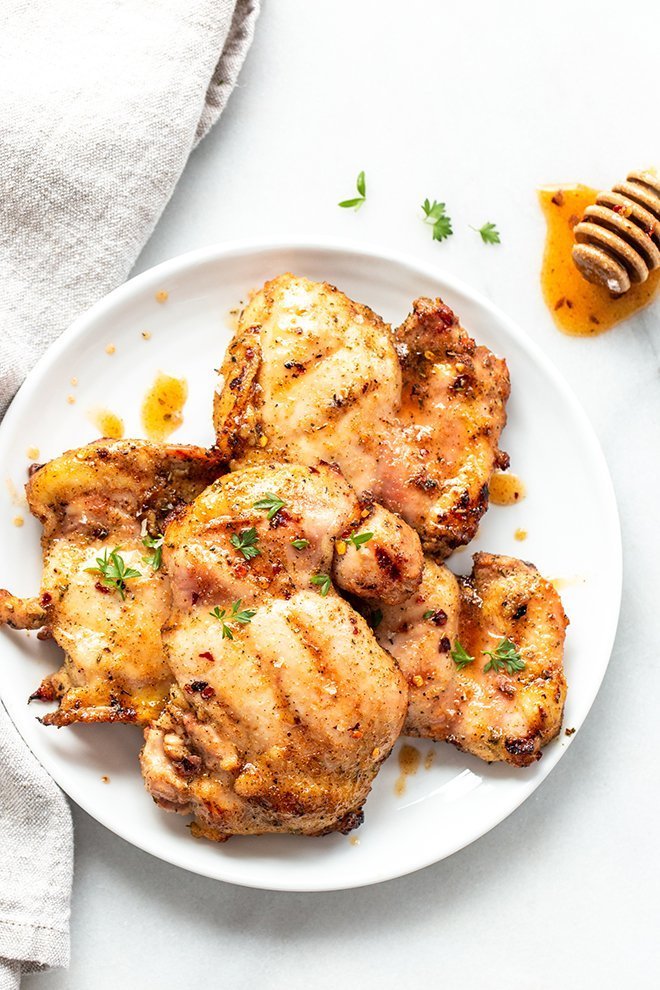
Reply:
x=578, y=307
x=409, y=761
x=162, y=408
x=108, y=424
x=505, y=489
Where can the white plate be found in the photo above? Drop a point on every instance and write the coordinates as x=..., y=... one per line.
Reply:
x=570, y=515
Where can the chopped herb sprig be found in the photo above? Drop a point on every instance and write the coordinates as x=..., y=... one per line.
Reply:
x=269, y=503
x=435, y=214
x=300, y=544
x=359, y=539
x=113, y=571
x=246, y=543
x=154, y=543
x=504, y=655
x=237, y=616
x=324, y=583
x=460, y=656
x=489, y=233
x=357, y=201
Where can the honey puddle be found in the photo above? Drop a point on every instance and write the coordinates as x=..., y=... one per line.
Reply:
x=505, y=489
x=409, y=760
x=108, y=424
x=162, y=408
x=578, y=307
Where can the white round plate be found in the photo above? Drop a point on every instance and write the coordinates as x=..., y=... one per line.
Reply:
x=570, y=515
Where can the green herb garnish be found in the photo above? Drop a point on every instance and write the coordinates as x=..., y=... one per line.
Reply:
x=489, y=233
x=434, y=214
x=324, y=583
x=300, y=544
x=237, y=615
x=271, y=503
x=114, y=572
x=504, y=655
x=460, y=656
x=357, y=202
x=359, y=539
x=155, y=543
x=246, y=543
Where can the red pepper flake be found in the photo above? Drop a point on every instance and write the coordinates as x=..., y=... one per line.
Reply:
x=207, y=656
x=439, y=617
x=650, y=231
x=102, y=588
x=617, y=208
x=207, y=692
x=46, y=599
x=444, y=645
x=558, y=198
x=560, y=303
x=194, y=597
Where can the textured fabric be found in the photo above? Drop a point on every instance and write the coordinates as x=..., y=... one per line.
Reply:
x=101, y=105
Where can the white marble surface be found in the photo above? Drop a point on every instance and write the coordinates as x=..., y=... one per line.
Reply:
x=476, y=104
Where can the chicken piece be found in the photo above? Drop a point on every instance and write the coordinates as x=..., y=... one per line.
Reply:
x=413, y=418
x=503, y=714
x=285, y=706
x=107, y=496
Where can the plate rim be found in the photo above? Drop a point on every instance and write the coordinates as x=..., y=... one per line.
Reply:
x=242, y=247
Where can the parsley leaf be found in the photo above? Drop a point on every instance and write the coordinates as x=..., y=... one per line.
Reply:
x=434, y=214
x=489, y=233
x=460, y=656
x=246, y=543
x=155, y=543
x=300, y=544
x=324, y=583
x=270, y=502
x=359, y=539
x=114, y=572
x=506, y=655
x=356, y=203
x=237, y=615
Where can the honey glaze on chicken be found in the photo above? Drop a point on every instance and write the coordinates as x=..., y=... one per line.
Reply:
x=412, y=416
x=108, y=497
x=285, y=705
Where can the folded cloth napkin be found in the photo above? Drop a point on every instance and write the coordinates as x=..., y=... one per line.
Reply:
x=101, y=105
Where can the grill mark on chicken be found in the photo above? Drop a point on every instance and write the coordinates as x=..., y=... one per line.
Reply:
x=305, y=756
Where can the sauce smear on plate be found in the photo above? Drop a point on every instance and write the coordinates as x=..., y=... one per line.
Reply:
x=162, y=409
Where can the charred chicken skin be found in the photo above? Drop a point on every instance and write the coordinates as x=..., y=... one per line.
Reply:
x=508, y=712
x=411, y=417
x=285, y=705
x=106, y=502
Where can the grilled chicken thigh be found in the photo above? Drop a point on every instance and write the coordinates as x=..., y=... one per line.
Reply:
x=412, y=417
x=106, y=501
x=284, y=705
x=503, y=713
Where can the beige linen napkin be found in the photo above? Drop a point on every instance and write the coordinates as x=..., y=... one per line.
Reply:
x=101, y=105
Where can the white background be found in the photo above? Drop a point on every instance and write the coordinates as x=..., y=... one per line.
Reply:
x=476, y=104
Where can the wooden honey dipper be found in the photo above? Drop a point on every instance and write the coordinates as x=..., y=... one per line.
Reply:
x=618, y=238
